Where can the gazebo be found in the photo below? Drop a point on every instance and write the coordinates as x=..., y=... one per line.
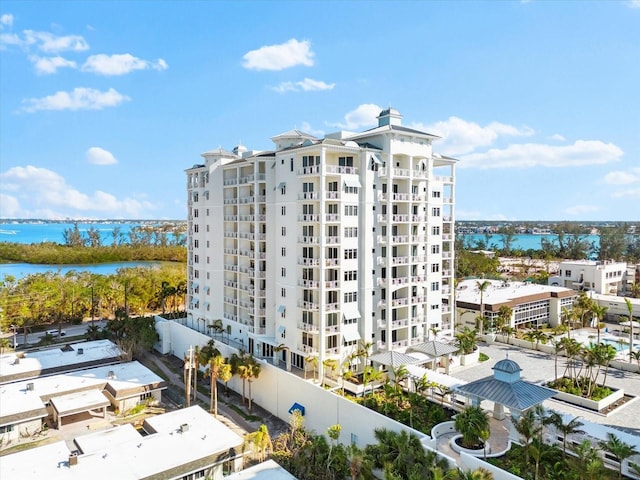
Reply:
x=394, y=359
x=505, y=389
x=437, y=353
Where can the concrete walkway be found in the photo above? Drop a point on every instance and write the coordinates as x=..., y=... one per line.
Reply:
x=538, y=367
x=498, y=439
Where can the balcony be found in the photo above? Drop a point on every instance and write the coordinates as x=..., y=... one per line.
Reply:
x=418, y=238
x=308, y=305
x=308, y=196
x=399, y=344
x=331, y=284
x=231, y=251
x=230, y=267
x=420, y=173
x=399, y=302
x=308, y=283
x=332, y=217
x=419, y=299
x=399, y=281
x=419, y=218
x=307, y=349
x=309, y=217
x=231, y=234
x=332, y=195
x=419, y=259
x=331, y=307
x=309, y=240
x=400, y=239
x=399, y=260
x=400, y=218
x=308, y=327
x=230, y=218
x=231, y=283
x=308, y=262
x=331, y=262
x=230, y=300
x=381, y=282
x=400, y=323
x=312, y=170
x=230, y=181
x=443, y=178
x=332, y=240
x=417, y=197
x=230, y=201
x=247, y=179
x=381, y=323
x=418, y=278
x=340, y=170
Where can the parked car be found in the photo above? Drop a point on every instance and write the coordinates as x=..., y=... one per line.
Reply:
x=54, y=332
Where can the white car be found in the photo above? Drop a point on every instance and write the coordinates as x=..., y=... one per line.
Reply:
x=54, y=332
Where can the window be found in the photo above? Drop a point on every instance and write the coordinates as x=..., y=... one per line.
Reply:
x=283, y=210
x=350, y=275
x=195, y=228
x=567, y=273
x=435, y=211
x=435, y=286
x=351, y=210
x=283, y=231
x=6, y=428
x=350, y=297
x=435, y=230
x=207, y=243
x=283, y=292
x=145, y=396
x=435, y=248
x=283, y=272
x=196, y=243
x=284, y=252
x=435, y=267
x=345, y=161
x=435, y=307
x=350, y=254
x=435, y=194
x=310, y=160
x=292, y=164
x=351, y=232
x=196, y=274
x=208, y=259
x=207, y=212
x=196, y=259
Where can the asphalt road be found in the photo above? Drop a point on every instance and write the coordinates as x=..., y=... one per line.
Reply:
x=34, y=338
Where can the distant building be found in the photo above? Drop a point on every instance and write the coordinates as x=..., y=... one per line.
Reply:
x=184, y=444
x=319, y=244
x=532, y=304
x=601, y=277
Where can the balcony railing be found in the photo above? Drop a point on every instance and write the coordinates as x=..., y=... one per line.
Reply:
x=341, y=170
x=308, y=196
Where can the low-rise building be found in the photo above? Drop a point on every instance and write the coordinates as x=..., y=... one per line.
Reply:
x=24, y=406
x=601, y=277
x=184, y=444
x=16, y=366
x=532, y=304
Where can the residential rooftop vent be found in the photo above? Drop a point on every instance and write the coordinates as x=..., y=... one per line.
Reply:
x=184, y=428
x=73, y=459
x=30, y=387
x=111, y=375
x=80, y=351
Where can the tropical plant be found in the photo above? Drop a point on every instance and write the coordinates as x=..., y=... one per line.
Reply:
x=313, y=361
x=572, y=427
x=259, y=442
x=215, y=364
x=630, y=310
x=619, y=449
x=528, y=428
x=472, y=422
x=466, y=340
x=370, y=375
x=599, y=313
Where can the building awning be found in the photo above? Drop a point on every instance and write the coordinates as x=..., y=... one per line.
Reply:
x=350, y=312
x=376, y=159
x=297, y=406
x=281, y=329
x=350, y=332
x=352, y=182
x=282, y=309
x=282, y=185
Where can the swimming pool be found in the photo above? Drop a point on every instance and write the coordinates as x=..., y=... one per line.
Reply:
x=620, y=347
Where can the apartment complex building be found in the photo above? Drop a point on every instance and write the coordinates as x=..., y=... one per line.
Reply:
x=321, y=245
x=606, y=278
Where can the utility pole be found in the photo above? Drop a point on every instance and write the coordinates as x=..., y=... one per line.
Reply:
x=92, y=307
x=188, y=365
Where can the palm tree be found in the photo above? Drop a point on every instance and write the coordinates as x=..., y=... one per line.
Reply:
x=370, y=375
x=508, y=330
x=619, y=449
x=330, y=365
x=505, y=312
x=478, y=474
x=313, y=360
x=599, y=313
x=252, y=371
x=528, y=428
x=358, y=462
x=572, y=427
x=466, y=340
x=590, y=460
x=630, y=309
x=482, y=286
x=4, y=344
x=215, y=364
x=259, y=442
x=568, y=316
x=471, y=423
x=558, y=346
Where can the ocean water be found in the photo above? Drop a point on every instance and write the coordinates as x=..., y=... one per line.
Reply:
x=21, y=270
x=524, y=241
x=54, y=232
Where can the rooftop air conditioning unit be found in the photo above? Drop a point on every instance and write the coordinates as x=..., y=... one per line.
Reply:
x=80, y=351
x=73, y=459
x=30, y=387
x=184, y=428
x=111, y=375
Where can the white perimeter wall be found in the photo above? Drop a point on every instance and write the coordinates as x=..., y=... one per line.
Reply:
x=276, y=390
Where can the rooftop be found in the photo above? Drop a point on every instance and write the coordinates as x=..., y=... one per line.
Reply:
x=504, y=292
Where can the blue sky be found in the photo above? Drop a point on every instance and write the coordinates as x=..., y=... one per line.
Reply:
x=105, y=104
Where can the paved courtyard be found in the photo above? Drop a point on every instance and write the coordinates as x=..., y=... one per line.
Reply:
x=538, y=367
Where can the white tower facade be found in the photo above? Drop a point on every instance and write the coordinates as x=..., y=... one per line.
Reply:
x=323, y=246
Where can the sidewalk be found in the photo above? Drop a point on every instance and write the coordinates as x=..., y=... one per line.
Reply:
x=226, y=415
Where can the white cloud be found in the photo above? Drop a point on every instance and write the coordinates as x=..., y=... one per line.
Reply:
x=43, y=193
x=307, y=85
x=364, y=115
x=49, y=65
x=120, y=64
x=580, y=153
x=581, y=209
x=307, y=128
x=48, y=42
x=461, y=136
x=633, y=3
x=620, y=178
x=630, y=192
x=78, y=99
x=557, y=136
x=279, y=57
x=9, y=39
x=100, y=156
x=6, y=19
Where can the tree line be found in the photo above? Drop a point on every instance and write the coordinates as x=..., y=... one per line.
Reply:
x=40, y=300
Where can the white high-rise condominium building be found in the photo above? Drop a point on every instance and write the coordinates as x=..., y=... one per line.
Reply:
x=321, y=246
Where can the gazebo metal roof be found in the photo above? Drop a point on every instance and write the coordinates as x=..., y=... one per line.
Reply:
x=506, y=388
x=394, y=359
x=434, y=348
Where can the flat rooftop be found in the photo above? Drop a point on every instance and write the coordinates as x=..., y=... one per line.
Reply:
x=22, y=365
x=269, y=470
x=18, y=397
x=502, y=292
x=123, y=454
